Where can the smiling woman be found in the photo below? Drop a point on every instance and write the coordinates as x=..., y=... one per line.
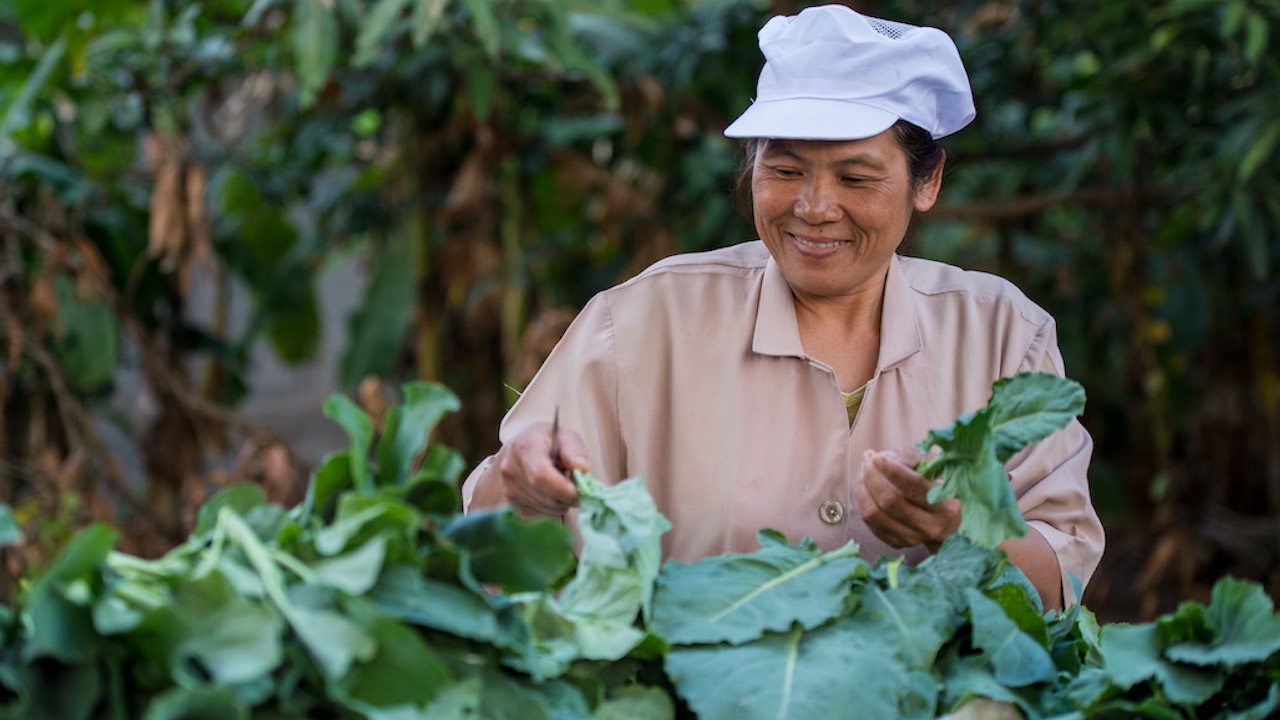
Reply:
x=832, y=214
x=782, y=383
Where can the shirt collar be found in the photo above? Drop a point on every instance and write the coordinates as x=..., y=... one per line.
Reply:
x=899, y=325
x=778, y=333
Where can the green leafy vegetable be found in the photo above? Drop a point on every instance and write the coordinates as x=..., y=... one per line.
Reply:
x=1242, y=627
x=735, y=598
x=1023, y=410
x=376, y=599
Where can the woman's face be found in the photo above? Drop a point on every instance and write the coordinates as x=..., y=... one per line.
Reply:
x=832, y=213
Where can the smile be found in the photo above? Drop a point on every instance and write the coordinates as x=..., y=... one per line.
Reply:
x=818, y=245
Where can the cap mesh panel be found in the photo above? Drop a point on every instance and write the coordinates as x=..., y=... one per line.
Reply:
x=889, y=28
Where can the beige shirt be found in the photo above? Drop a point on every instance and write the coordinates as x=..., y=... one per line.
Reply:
x=693, y=376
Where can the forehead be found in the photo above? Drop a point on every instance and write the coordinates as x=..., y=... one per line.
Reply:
x=879, y=150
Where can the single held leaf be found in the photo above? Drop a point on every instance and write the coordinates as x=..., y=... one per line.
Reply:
x=558, y=638
x=595, y=616
x=621, y=532
x=1022, y=410
x=1028, y=407
x=736, y=598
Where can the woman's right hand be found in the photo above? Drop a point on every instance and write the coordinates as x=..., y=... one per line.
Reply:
x=532, y=481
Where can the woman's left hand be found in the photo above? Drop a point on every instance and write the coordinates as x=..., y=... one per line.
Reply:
x=893, y=500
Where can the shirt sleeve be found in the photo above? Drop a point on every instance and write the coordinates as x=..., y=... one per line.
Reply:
x=1050, y=480
x=579, y=378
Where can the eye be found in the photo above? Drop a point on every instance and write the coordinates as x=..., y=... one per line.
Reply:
x=781, y=170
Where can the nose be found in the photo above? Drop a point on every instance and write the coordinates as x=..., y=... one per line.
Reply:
x=816, y=202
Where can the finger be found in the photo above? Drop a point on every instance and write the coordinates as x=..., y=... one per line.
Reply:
x=548, y=482
x=539, y=470
x=531, y=482
x=894, y=504
x=530, y=503
x=909, y=456
x=548, y=494
x=573, y=451
x=912, y=485
x=892, y=531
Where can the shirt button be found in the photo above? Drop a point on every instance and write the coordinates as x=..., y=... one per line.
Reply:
x=831, y=512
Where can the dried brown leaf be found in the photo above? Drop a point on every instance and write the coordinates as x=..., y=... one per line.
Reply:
x=470, y=188
x=70, y=471
x=374, y=399
x=279, y=481
x=44, y=305
x=539, y=339
x=166, y=230
x=198, y=226
x=92, y=263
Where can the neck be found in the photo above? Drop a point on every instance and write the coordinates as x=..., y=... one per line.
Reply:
x=855, y=311
x=844, y=331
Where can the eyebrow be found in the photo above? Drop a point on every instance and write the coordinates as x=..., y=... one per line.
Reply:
x=861, y=159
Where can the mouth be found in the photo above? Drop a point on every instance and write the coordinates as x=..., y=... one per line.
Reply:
x=818, y=244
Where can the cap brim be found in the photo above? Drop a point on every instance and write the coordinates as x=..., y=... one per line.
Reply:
x=810, y=119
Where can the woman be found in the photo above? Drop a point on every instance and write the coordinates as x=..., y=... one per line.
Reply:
x=783, y=383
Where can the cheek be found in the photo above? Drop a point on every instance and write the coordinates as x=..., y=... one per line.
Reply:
x=887, y=206
x=772, y=198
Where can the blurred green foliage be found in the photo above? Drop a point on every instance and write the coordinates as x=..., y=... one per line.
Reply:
x=498, y=161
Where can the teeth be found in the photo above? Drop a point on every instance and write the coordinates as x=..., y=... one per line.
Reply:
x=818, y=245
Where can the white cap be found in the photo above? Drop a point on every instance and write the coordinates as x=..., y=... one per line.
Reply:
x=831, y=73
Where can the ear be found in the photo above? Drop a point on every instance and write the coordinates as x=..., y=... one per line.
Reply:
x=927, y=194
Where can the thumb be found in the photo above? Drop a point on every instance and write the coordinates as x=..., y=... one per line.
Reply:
x=573, y=451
